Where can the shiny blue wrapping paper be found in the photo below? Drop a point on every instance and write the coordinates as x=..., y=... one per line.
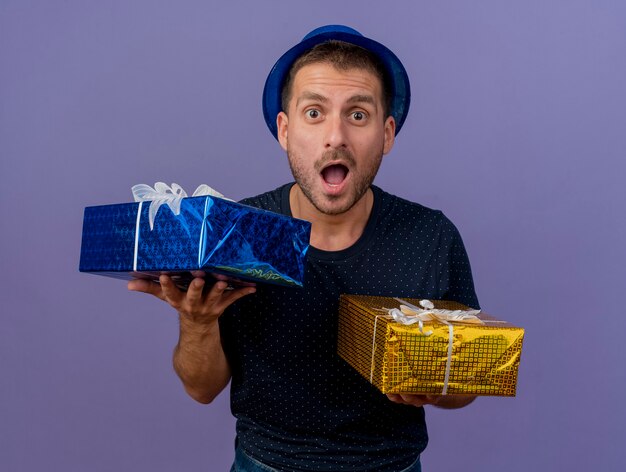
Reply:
x=209, y=234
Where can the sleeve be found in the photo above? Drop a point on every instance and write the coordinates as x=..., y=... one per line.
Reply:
x=455, y=274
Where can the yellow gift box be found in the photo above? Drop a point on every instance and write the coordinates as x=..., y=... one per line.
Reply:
x=423, y=347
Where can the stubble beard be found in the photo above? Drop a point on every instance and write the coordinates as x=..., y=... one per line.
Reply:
x=361, y=183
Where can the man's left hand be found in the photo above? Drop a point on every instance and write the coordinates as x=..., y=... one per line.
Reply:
x=441, y=401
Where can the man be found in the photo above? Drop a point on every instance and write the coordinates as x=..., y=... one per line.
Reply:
x=335, y=102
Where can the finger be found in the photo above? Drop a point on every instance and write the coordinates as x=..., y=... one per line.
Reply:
x=146, y=286
x=172, y=294
x=408, y=399
x=412, y=399
x=418, y=400
x=234, y=295
x=215, y=294
x=394, y=397
x=194, y=292
x=398, y=398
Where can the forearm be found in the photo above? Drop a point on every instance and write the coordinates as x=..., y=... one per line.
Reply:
x=199, y=360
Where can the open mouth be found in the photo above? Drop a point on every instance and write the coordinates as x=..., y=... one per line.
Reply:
x=334, y=174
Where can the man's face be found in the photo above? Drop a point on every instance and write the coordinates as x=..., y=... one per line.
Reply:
x=335, y=134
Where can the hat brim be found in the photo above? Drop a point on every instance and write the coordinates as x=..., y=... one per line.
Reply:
x=399, y=80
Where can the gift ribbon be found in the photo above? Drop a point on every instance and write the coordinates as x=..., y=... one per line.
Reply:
x=409, y=314
x=163, y=194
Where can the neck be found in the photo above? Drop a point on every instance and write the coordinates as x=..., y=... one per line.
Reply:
x=332, y=232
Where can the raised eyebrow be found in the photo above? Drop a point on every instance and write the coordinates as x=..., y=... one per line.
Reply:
x=362, y=99
x=312, y=96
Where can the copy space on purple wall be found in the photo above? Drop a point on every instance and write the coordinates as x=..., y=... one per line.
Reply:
x=516, y=132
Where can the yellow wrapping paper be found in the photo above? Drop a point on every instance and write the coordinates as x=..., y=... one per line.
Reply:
x=396, y=358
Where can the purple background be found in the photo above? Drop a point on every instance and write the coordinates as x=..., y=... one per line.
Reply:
x=517, y=132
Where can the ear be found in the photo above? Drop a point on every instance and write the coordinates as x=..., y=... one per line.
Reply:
x=390, y=134
x=282, y=122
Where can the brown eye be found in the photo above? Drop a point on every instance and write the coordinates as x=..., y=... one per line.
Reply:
x=358, y=115
x=313, y=114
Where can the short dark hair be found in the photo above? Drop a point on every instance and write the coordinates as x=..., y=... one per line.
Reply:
x=342, y=56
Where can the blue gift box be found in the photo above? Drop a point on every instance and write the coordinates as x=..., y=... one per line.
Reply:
x=209, y=234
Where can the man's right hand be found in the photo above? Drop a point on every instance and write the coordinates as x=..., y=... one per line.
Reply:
x=193, y=306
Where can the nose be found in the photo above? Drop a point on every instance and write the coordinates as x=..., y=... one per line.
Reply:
x=335, y=132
